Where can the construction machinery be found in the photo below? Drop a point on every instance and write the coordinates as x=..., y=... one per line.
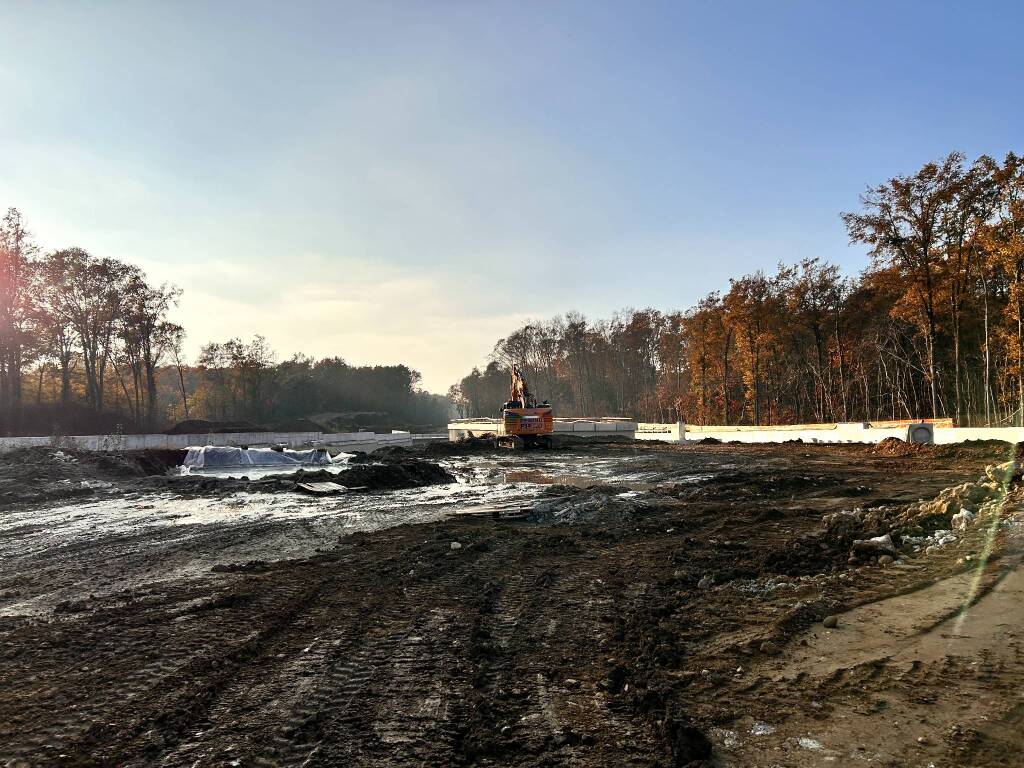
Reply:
x=528, y=424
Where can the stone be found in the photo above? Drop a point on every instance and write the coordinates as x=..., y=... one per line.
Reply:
x=879, y=545
x=706, y=583
x=831, y=622
x=456, y=545
x=885, y=560
x=961, y=520
x=769, y=648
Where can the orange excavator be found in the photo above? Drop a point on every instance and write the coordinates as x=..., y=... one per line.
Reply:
x=528, y=424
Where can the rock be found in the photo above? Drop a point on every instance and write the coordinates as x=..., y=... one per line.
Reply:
x=831, y=622
x=456, y=545
x=961, y=520
x=572, y=683
x=706, y=583
x=885, y=560
x=769, y=648
x=506, y=730
x=999, y=473
x=687, y=743
x=879, y=545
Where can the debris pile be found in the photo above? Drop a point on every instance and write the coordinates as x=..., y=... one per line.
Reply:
x=931, y=515
x=573, y=506
x=927, y=525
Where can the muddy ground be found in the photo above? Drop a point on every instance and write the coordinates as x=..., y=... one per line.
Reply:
x=670, y=615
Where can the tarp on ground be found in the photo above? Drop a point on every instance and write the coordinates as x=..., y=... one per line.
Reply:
x=223, y=456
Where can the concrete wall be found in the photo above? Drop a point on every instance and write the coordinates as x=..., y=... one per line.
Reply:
x=960, y=434
x=674, y=432
x=824, y=433
x=857, y=433
x=463, y=428
x=345, y=441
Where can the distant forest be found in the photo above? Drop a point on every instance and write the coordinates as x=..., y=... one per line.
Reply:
x=86, y=346
x=933, y=327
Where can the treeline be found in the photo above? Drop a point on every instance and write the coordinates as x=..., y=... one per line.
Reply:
x=239, y=381
x=933, y=327
x=67, y=310
x=86, y=345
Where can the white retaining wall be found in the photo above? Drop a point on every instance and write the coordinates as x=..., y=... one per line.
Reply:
x=832, y=433
x=346, y=441
x=960, y=434
x=857, y=433
x=678, y=432
x=462, y=428
x=670, y=433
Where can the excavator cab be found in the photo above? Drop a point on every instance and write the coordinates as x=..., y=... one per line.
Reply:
x=527, y=424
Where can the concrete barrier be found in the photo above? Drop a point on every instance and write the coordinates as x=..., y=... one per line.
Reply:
x=962, y=434
x=857, y=432
x=464, y=428
x=809, y=433
x=673, y=432
x=679, y=432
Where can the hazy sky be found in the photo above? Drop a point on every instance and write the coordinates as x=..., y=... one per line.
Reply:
x=406, y=182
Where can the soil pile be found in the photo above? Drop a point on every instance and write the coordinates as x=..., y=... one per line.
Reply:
x=461, y=447
x=30, y=475
x=392, y=474
x=204, y=427
x=893, y=446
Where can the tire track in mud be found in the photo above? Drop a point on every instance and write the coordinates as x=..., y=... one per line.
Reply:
x=387, y=691
x=551, y=606
x=181, y=689
x=141, y=658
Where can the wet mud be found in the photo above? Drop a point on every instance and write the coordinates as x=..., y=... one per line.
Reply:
x=649, y=605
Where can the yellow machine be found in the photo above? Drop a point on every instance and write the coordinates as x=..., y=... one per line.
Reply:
x=527, y=423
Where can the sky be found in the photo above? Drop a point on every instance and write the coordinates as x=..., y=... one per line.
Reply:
x=408, y=182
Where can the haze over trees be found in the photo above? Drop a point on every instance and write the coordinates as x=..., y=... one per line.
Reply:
x=86, y=345
x=933, y=327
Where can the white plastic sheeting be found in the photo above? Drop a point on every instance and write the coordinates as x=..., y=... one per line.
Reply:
x=223, y=456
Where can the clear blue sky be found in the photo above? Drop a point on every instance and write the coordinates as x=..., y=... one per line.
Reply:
x=408, y=181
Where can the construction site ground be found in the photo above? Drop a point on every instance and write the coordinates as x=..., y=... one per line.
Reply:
x=609, y=605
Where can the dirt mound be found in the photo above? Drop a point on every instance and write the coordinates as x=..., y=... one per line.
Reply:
x=392, y=475
x=460, y=447
x=991, y=450
x=202, y=426
x=388, y=454
x=382, y=476
x=893, y=446
x=49, y=474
